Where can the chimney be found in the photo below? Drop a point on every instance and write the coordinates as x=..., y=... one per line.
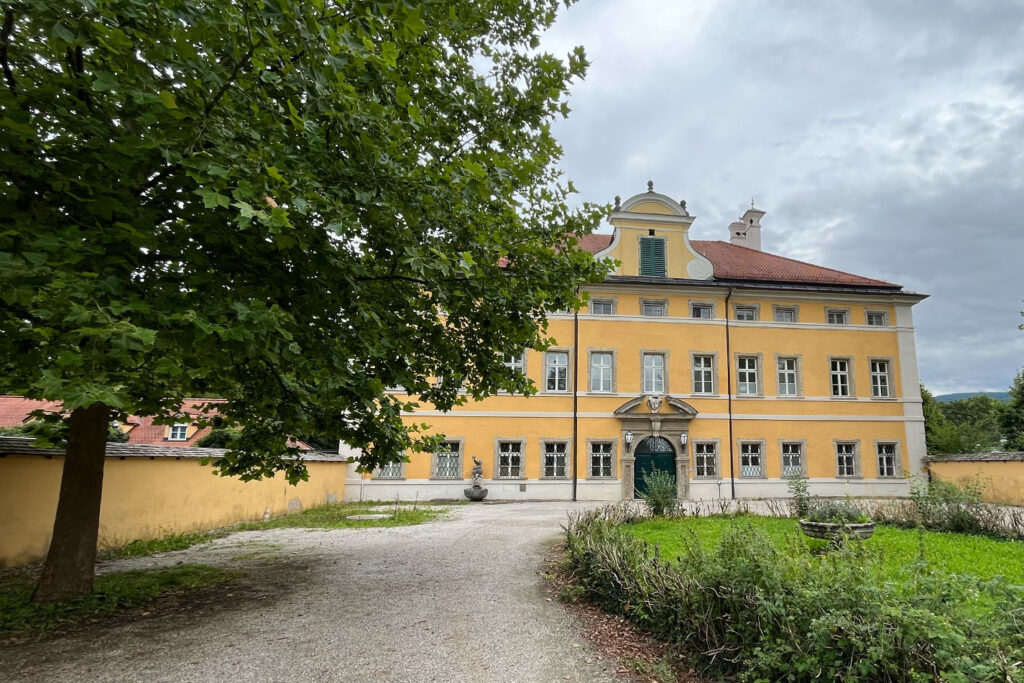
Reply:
x=746, y=232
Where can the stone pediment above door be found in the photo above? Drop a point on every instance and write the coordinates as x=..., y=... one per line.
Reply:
x=653, y=406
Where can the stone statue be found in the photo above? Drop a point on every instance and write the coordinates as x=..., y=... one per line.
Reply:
x=476, y=491
x=654, y=403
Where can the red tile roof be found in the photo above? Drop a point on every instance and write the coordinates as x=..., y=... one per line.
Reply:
x=735, y=262
x=14, y=410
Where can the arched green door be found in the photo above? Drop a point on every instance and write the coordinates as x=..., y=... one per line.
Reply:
x=653, y=453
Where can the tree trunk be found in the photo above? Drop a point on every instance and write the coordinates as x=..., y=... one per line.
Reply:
x=69, y=562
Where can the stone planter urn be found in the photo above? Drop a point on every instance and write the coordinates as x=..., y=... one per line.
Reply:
x=476, y=492
x=832, y=531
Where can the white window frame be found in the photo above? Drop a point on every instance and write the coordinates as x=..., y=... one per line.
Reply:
x=836, y=377
x=868, y=313
x=881, y=381
x=173, y=433
x=748, y=448
x=702, y=305
x=515, y=362
x=597, y=372
x=844, y=312
x=566, y=378
x=436, y=457
x=601, y=456
x=791, y=447
x=844, y=452
x=794, y=310
x=657, y=305
x=743, y=386
x=649, y=382
x=500, y=451
x=694, y=382
x=550, y=448
x=897, y=460
x=754, y=310
x=603, y=301
x=701, y=455
x=795, y=372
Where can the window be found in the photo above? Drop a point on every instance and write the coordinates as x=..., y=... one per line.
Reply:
x=750, y=459
x=510, y=459
x=787, y=376
x=602, y=306
x=702, y=311
x=785, y=314
x=836, y=316
x=888, y=465
x=746, y=375
x=652, y=256
x=746, y=312
x=515, y=362
x=556, y=371
x=390, y=470
x=705, y=459
x=877, y=318
x=880, y=379
x=653, y=309
x=554, y=459
x=703, y=374
x=601, y=459
x=446, y=461
x=654, y=373
x=601, y=371
x=792, y=460
x=846, y=459
x=179, y=432
x=840, y=374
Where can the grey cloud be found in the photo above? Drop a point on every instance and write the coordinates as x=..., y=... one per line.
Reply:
x=883, y=138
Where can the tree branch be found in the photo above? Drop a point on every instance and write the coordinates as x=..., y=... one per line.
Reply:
x=5, y=40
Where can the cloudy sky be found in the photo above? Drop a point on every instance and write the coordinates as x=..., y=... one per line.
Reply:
x=884, y=138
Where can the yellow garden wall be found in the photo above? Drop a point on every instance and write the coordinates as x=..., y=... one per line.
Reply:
x=1004, y=479
x=147, y=498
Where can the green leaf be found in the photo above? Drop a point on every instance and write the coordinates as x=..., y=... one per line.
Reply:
x=168, y=99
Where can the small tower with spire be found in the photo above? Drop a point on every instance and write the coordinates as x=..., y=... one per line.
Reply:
x=746, y=232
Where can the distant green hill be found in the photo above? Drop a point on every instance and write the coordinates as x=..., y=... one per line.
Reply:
x=997, y=395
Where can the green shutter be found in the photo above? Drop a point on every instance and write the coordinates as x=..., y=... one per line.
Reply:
x=652, y=256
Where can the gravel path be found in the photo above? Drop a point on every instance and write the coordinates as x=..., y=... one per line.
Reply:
x=454, y=600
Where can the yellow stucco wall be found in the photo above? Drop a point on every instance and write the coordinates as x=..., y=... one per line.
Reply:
x=1004, y=480
x=148, y=498
x=814, y=417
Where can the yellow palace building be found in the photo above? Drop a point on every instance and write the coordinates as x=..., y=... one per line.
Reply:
x=728, y=366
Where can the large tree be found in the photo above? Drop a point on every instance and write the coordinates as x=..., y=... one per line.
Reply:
x=290, y=204
x=1013, y=416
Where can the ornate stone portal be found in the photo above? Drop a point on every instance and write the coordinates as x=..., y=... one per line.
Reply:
x=663, y=416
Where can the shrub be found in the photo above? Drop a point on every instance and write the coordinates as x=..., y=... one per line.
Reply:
x=838, y=513
x=799, y=497
x=948, y=506
x=756, y=611
x=661, y=492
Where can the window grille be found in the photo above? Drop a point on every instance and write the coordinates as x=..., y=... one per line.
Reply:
x=887, y=466
x=705, y=459
x=846, y=459
x=447, y=459
x=510, y=459
x=792, y=460
x=750, y=460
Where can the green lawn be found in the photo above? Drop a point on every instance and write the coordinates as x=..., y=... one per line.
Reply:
x=954, y=553
x=21, y=617
x=335, y=516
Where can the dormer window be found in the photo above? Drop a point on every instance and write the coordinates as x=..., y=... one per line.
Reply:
x=652, y=256
x=179, y=432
